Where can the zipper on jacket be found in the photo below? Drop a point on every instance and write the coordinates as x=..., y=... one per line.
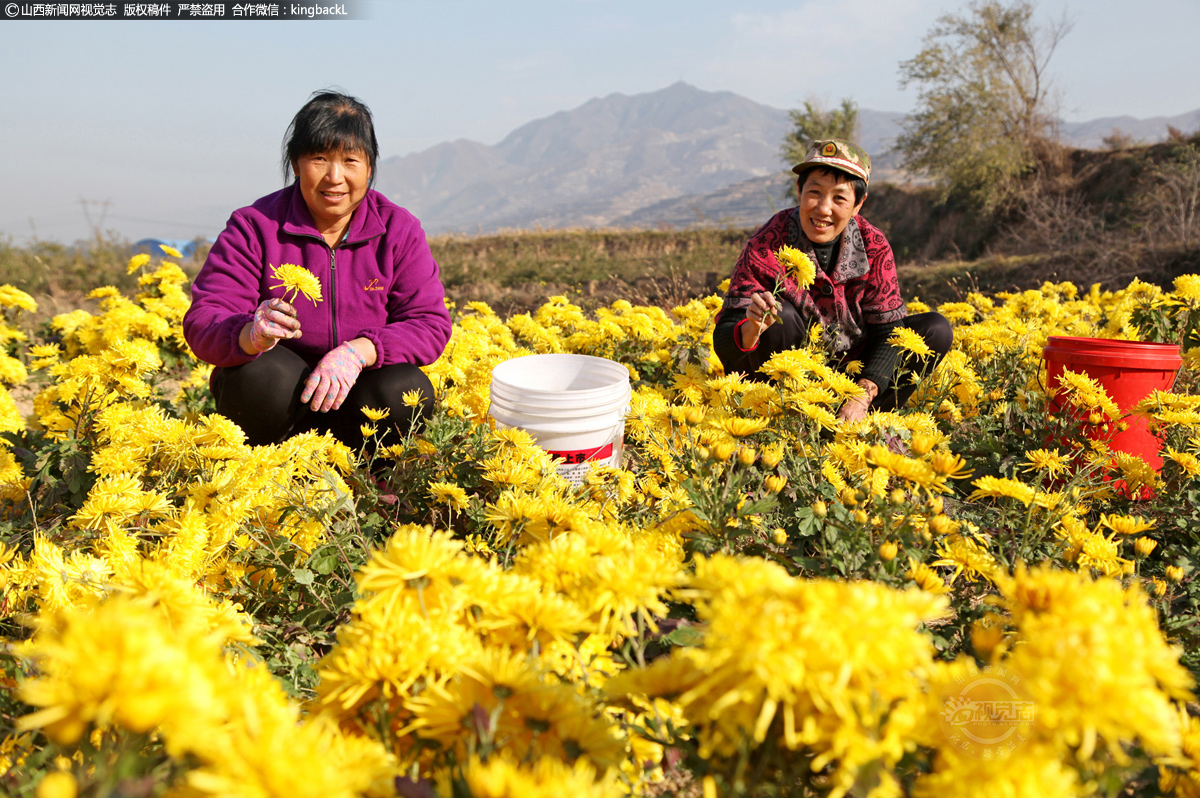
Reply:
x=332, y=276
x=333, y=291
x=333, y=283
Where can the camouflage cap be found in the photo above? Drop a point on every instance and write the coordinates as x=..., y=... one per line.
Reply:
x=837, y=154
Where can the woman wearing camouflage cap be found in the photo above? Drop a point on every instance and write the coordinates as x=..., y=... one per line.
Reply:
x=855, y=296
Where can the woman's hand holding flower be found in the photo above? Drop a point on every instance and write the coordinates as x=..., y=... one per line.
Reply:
x=274, y=320
x=761, y=314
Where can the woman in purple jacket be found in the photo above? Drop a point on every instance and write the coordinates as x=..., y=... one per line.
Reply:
x=284, y=368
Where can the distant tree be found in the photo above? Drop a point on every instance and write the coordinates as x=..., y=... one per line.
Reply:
x=813, y=122
x=985, y=109
x=1118, y=140
x=1178, y=194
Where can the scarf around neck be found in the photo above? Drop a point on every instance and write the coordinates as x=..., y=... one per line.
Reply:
x=758, y=270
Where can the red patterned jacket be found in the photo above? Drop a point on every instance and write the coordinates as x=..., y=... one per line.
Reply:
x=861, y=288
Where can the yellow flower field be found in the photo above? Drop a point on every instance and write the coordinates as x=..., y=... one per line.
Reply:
x=972, y=596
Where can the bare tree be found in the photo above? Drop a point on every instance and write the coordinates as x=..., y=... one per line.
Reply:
x=1118, y=140
x=1177, y=192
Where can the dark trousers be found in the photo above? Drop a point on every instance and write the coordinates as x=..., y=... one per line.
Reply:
x=263, y=398
x=791, y=331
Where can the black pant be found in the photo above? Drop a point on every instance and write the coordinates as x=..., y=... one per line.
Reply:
x=791, y=331
x=263, y=398
x=935, y=329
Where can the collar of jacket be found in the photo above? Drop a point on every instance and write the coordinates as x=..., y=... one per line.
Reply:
x=364, y=225
x=852, y=261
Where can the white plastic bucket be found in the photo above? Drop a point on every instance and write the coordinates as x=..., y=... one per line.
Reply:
x=574, y=406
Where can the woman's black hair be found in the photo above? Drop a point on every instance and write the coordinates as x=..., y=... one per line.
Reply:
x=857, y=183
x=330, y=122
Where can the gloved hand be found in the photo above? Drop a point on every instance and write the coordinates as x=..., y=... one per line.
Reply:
x=274, y=320
x=333, y=378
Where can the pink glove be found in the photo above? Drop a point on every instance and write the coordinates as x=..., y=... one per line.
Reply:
x=274, y=320
x=333, y=378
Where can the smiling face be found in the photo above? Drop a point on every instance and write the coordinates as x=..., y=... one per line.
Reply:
x=333, y=184
x=827, y=204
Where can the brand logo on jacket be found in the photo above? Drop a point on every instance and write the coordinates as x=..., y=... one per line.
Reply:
x=374, y=285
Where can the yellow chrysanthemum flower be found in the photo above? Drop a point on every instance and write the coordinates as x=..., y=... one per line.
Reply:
x=926, y=578
x=915, y=472
x=1126, y=524
x=741, y=427
x=958, y=312
x=950, y=465
x=502, y=777
x=448, y=494
x=1186, y=460
x=375, y=414
x=136, y=262
x=966, y=557
x=1187, y=287
x=1049, y=461
x=797, y=265
x=297, y=280
x=11, y=297
x=1072, y=631
x=997, y=487
x=58, y=784
x=910, y=340
x=1145, y=546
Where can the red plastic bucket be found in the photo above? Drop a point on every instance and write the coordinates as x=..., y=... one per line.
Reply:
x=1129, y=371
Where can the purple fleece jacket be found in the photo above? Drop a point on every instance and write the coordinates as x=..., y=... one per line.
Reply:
x=380, y=283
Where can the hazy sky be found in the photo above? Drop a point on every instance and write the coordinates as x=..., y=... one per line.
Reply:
x=175, y=124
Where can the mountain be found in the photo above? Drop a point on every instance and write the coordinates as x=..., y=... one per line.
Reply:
x=590, y=165
x=679, y=156
x=745, y=204
x=603, y=161
x=1090, y=135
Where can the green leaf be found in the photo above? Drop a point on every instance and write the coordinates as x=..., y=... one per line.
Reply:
x=303, y=576
x=324, y=564
x=686, y=635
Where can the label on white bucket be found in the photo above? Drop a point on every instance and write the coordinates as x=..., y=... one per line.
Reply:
x=577, y=462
